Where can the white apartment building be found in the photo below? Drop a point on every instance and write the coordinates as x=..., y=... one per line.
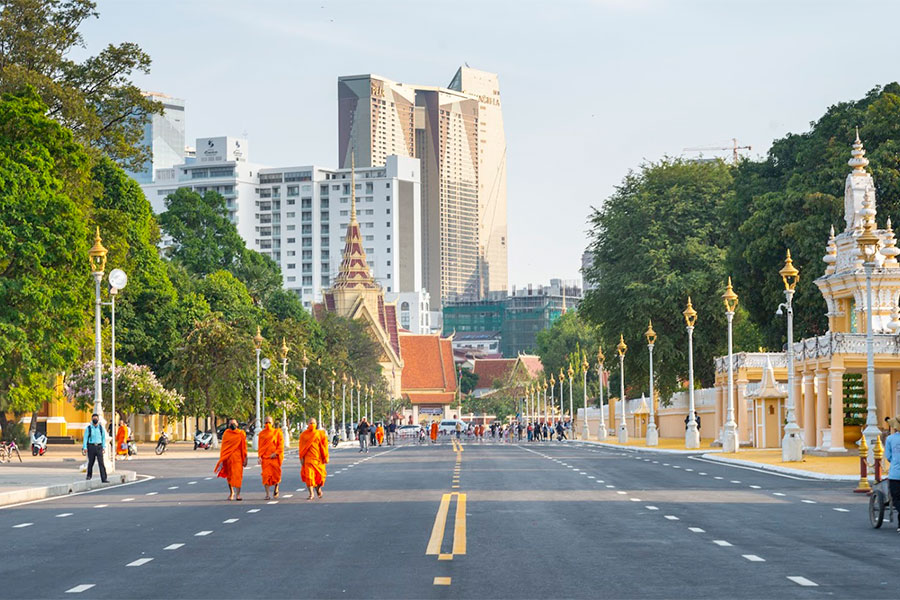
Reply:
x=297, y=215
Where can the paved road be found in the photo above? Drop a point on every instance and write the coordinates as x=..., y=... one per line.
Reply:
x=532, y=521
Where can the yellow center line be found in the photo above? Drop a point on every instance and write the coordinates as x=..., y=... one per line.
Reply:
x=441, y=581
x=440, y=522
x=459, y=532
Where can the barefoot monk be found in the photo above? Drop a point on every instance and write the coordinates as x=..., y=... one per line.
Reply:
x=312, y=448
x=271, y=455
x=233, y=459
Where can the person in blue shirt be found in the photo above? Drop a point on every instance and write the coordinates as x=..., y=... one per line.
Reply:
x=93, y=445
x=891, y=450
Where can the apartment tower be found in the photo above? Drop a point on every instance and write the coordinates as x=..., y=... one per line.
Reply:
x=457, y=133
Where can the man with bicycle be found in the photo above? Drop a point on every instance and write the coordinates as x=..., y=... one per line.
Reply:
x=93, y=445
x=891, y=450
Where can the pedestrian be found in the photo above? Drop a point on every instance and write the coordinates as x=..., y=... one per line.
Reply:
x=434, y=432
x=687, y=421
x=892, y=449
x=560, y=432
x=233, y=459
x=312, y=448
x=458, y=429
x=271, y=456
x=372, y=429
x=392, y=433
x=122, y=440
x=362, y=433
x=379, y=434
x=92, y=446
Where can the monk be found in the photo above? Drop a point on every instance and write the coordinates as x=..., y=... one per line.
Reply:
x=379, y=433
x=122, y=440
x=434, y=431
x=233, y=459
x=312, y=448
x=271, y=456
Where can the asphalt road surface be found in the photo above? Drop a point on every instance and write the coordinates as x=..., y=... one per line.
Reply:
x=551, y=520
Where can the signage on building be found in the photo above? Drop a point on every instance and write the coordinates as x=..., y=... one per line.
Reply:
x=430, y=409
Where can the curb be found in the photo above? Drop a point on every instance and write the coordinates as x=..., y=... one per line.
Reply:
x=783, y=470
x=64, y=489
x=645, y=448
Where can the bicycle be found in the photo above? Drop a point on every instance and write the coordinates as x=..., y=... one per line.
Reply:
x=879, y=499
x=6, y=452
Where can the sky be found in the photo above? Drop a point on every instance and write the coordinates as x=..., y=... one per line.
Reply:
x=590, y=88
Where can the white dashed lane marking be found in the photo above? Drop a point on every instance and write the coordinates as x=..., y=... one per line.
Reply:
x=192, y=483
x=717, y=477
x=756, y=487
x=21, y=525
x=139, y=562
x=808, y=501
x=696, y=530
x=253, y=510
x=651, y=508
x=173, y=546
x=672, y=518
x=721, y=543
x=61, y=515
x=80, y=588
x=735, y=481
x=635, y=499
x=151, y=493
x=621, y=493
x=802, y=581
x=101, y=505
x=174, y=487
x=777, y=494
x=229, y=521
x=207, y=478
x=841, y=509
x=753, y=558
x=127, y=499
x=272, y=502
x=202, y=533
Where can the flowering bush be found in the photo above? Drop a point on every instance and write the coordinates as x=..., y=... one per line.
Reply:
x=137, y=390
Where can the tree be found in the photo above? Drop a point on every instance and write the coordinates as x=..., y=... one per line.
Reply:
x=657, y=240
x=792, y=198
x=570, y=333
x=44, y=278
x=214, y=369
x=94, y=98
x=467, y=381
x=137, y=390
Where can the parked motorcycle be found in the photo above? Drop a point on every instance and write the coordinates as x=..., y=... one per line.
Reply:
x=131, y=446
x=203, y=440
x=38, y=443
x=161, y=443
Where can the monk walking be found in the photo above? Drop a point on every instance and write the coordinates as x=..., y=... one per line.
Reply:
x=233, y=459
x=122, y=440
x=312, y=448
x=379, y=434
x=271, y=456
x=434, y=432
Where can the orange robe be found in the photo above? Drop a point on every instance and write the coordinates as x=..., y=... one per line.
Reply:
x=379, y=434
x=232, y=457
x=122, y=440
x=312, y=448
x=434, y=431
x=271, y=441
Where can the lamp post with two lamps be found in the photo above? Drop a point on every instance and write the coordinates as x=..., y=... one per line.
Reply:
x=791, y=444
x=257, y=342
x=571, y=406
x=692, y=434
x=344, y=407
x=868, y=244
x=585, y=432
x=602, y=432
x=730, y=441
x=285, y=427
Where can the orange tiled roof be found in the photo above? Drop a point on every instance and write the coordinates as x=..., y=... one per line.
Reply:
x=427, y=363
x=532, y=363
x=430, y=397
x=491, y=369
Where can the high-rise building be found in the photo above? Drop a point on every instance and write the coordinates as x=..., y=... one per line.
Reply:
x=457, y=133
x=164, y=138
x=298, y=215
x=587, y=261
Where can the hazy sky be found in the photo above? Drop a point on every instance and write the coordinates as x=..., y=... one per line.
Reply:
x=590, y=89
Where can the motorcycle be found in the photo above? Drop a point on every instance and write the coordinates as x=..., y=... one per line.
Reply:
x=203, y=440
x=38, y=444
x=131, y=446
x=162, y=443
x=335, y=440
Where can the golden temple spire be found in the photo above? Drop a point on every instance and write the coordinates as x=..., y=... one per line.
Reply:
x=353, y=187
x=354, y=270
x=859, y=162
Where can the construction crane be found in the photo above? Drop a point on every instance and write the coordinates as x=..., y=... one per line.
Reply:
x=734, y=148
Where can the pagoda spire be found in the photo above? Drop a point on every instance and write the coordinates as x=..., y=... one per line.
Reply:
x=354, y=270
x=353, y=187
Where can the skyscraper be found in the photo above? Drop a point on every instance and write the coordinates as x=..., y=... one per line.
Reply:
x=164, y=137
x=457, y=133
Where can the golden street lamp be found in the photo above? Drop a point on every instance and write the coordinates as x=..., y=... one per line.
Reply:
x=868, y=243
x=730, y=441
x=621, y=349
x=333, y=380
x=552, y=390
x=344, y=408
x=571, y=406
x=257, y=342
x=585, y=432
x=791, y=444
x=285, y=428
x=602, y=432
x=97, y=255
x=652, y=432
x=562, y=409
x=692, y=434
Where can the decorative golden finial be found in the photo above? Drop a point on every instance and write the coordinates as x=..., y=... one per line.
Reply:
x=690, y=315
x=353, y=187
x=600, y=357
x=890, y=250
x=830, y=257
x=284, y=349
x=258, y=338
x=789, y=273
x=868, y=240
x=859, y=162
x=730, y=298
x=97, y=254
x=621, y=347
x=650, y=334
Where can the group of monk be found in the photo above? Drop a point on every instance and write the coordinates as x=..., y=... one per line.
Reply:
x=312, y=450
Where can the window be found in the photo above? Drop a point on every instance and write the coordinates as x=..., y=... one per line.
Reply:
x=291, y=215
x=369, y=211
x=369, y=225
x=291, y=240
x=307, y=255
x=294, y=253
x=323, y=203
x=306, y=229
x=388, y=185
x=326, y=281
x=292, y=279
x=293, y=190
x=324, y=228
x=292, y=265
x=369, y=186
x=388, y=224
x=307, y=242
x=307, y=267
x=306, y=216
x=291, y=202
x=387, y=211
x=323, y=190
x=388, y=263
x=291, y=227
x=323, y=216
x=370, y=238
x=324, y=241
x=389, y=237
x=307, y=280
x=344, y=213
x=306, y=203
x=298, y=176
x=325, y=254
x=335, y=188
x=324, y=266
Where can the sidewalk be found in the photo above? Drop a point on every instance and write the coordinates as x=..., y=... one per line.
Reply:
x=831, y=468
x=23, y=484
x=666, y=445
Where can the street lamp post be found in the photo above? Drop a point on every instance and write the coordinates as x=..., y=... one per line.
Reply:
x=622, y=348
x=562, y=408
x=601, y=429
x=552, y=390
x=585, y=432
x=333, y=378
x=344, y=407
x=97, y=256
x=359, y=414
x=117, y=281
x=868, y=244
x=730, y=441
x=264, y=364
x=257, y=342
x=652, y=432
x=692, y=433
x=791, y=444
x=285, y=428
x=571, y=406
x=304, y=362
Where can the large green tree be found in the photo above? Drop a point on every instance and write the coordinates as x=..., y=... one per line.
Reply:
x=790, y=199
x=94, y=98
x=657, y=240
x=44, y=279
